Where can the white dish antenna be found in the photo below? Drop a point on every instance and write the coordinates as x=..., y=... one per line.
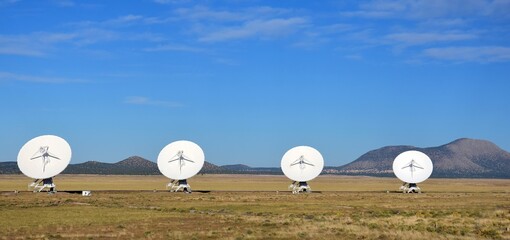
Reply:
x=302, y=163
x=44, y=157
x=412, y=166
x=181, y=160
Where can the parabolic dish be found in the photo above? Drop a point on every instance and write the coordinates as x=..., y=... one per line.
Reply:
x=44, y=157
x=302, y=163
x=181, y=160
x=412, y=166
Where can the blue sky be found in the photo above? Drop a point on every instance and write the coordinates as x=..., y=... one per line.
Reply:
x=248, y=80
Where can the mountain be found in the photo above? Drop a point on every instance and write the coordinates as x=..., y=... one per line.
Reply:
x=134, y=165
x=236, y=167
x=137, y=162
x=210, y=168
x=461, y=158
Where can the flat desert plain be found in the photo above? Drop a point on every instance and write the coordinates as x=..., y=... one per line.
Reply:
x=254, y=207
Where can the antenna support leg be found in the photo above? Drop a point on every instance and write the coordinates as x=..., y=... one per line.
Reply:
x=410, y=188
x=39, y=186
x=179, y=185
x=300, y=187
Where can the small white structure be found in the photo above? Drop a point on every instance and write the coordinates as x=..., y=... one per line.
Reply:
x=302, y=164
x=412, y=167
x=179, y=185
x=300, y=187
x=40, y=185
x=43, y=158
x=179, y=161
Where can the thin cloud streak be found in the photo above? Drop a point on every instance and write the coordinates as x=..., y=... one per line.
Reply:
x=175, y=48
x=470, y=54
x=121, y=21
x=64, y=3
x=204, y=28
x=170, y=1
x=139, y=100
x=42, y=43
x=8, y=2
x=257, y=28
x=20, y=51
x=203, y=13
x=425, y=38
x=8, y=76
x=441, y=24
x=429, y=9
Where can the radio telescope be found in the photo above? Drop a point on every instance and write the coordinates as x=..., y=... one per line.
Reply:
x=179, y=161
x=43, y=158
x=412, y=167
x=302, y=164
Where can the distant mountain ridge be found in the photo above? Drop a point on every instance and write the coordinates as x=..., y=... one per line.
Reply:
x=133, y=165
x=136, y=165
x=462, y=158
x=9, y=168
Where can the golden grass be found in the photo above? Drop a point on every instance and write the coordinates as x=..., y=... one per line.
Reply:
x=357, y=208
x=232, y=182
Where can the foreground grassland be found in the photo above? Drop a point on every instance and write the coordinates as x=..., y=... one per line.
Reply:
x=346, y=208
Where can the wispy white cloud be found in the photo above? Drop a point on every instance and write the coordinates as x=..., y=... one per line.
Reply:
x=200, y=28
x=139, y=100
x=257, y=28
x=8, y=2
x=123, y=20
x=170, y=1
x=175, y=48
x=94, y=35
x=470, y=54
x=314, y=36
x=443, y=24
x=65, y=3
x=42, y=43
x=335, y=28
x=411, y=38
x=428, y=9
x=8, y=76
x=354, y=57
x=203, y=13
x=20, y=50
x=35, y=44
x=262, y=22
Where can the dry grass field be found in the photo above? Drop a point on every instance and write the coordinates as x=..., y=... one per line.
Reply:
x=255, y=207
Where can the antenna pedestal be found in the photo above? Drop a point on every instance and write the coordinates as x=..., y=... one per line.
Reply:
x=300, y=187
x=40, y=185
x=410, y=188
x=179, y=185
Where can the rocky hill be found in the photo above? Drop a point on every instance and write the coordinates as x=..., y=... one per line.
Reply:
x=130, y=166
x=461, y=158
x=236, y=167
x=134, y=165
